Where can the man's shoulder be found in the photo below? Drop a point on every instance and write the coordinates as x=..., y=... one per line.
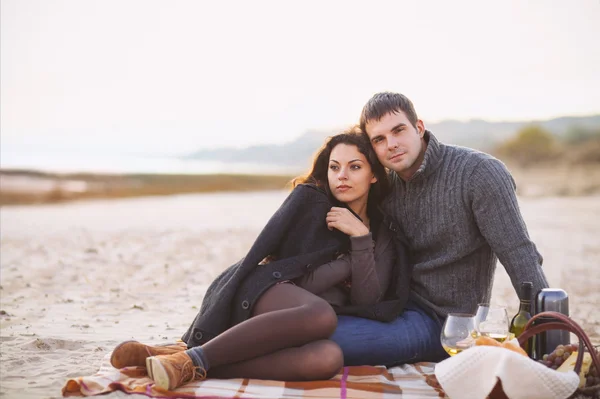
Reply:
x=477, y=163
x=466, y=154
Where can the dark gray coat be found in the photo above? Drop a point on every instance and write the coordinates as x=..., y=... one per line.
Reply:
x=298, y=237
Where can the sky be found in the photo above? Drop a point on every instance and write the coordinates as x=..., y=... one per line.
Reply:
x=172, y=77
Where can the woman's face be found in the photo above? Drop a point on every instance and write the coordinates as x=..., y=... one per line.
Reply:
x=349, y=174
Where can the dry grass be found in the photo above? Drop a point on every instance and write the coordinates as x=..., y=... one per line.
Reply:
x=557, y=180
x=31, y=187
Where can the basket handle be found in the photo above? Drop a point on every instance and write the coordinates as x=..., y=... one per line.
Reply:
x=563, y=323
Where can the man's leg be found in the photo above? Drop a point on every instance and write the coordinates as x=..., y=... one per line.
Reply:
x=411, y=338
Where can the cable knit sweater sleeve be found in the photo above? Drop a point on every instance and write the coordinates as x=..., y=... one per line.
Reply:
x=496, y=211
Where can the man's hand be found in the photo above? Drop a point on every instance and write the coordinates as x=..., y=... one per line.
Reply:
x=343, y=220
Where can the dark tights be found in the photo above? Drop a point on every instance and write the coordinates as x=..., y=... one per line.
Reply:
x=285, y=339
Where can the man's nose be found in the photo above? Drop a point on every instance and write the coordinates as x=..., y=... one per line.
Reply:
x=392, y=143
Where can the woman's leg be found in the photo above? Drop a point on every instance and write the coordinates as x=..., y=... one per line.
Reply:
x=285, y=316
x=317, y=360
x=264, y=346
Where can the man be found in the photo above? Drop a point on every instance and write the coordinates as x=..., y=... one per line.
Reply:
x=458, y=212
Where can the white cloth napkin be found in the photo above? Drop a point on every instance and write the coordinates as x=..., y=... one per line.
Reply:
x=474, y=372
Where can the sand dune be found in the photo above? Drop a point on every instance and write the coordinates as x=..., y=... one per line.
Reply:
x=78, y=278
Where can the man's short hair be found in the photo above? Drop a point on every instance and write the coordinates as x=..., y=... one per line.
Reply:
x=384, y=103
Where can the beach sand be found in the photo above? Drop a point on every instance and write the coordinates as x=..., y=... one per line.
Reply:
x=78, y=278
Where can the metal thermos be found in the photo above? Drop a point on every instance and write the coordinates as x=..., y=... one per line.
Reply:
x=555, y=300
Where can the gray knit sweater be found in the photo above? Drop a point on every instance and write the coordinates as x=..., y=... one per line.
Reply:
x=459, y=213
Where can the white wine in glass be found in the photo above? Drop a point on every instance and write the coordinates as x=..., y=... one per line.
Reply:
x=453, y=350
x=495, y=336
x=457, y=333
x=492, y=322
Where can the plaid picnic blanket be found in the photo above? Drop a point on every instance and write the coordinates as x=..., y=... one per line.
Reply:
x=364, y=382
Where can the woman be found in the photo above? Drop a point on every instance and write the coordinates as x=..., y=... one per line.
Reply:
x=270, y=315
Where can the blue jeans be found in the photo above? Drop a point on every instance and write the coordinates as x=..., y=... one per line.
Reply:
x=412, y=337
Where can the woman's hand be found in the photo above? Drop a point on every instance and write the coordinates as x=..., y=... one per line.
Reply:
x=343, y=220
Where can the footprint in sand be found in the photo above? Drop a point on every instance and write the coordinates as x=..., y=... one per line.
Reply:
x=48, y=344
x=16, y=363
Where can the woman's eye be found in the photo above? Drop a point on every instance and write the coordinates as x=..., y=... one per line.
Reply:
x=333, y=167
x=355, y=167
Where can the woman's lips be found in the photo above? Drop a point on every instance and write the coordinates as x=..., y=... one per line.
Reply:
x=343, y=188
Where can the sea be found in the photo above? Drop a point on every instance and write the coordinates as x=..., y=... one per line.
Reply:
x=96, y=162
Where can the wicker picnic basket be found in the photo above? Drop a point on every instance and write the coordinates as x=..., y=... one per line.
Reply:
x=559, y=322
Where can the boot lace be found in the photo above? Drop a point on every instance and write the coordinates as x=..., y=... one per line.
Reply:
x=189, y=372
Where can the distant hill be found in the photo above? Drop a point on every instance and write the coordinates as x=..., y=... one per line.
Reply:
x=475, y=133
x=483, y=135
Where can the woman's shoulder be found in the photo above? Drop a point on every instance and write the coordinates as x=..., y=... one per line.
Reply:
x=310, y=192
x=302, y=198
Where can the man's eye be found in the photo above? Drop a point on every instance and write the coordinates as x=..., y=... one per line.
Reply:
x=377, y=140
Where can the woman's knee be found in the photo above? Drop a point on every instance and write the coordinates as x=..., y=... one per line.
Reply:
x=320, y=318
x=323, y=361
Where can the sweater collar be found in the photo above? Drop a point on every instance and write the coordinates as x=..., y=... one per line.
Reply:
x=434, y=155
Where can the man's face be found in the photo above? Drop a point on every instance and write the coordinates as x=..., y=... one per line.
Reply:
x=398, y=144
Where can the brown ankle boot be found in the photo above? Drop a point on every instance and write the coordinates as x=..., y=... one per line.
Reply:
x=133, y=353
x=172, y=371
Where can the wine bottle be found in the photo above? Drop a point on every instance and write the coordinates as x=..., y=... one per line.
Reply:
x=517, y=325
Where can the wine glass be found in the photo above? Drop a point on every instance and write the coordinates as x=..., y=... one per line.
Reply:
x=481, y=314
x=458, y=333
x=492, y=322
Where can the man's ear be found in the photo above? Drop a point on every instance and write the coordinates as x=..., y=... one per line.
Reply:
x=420, y=127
